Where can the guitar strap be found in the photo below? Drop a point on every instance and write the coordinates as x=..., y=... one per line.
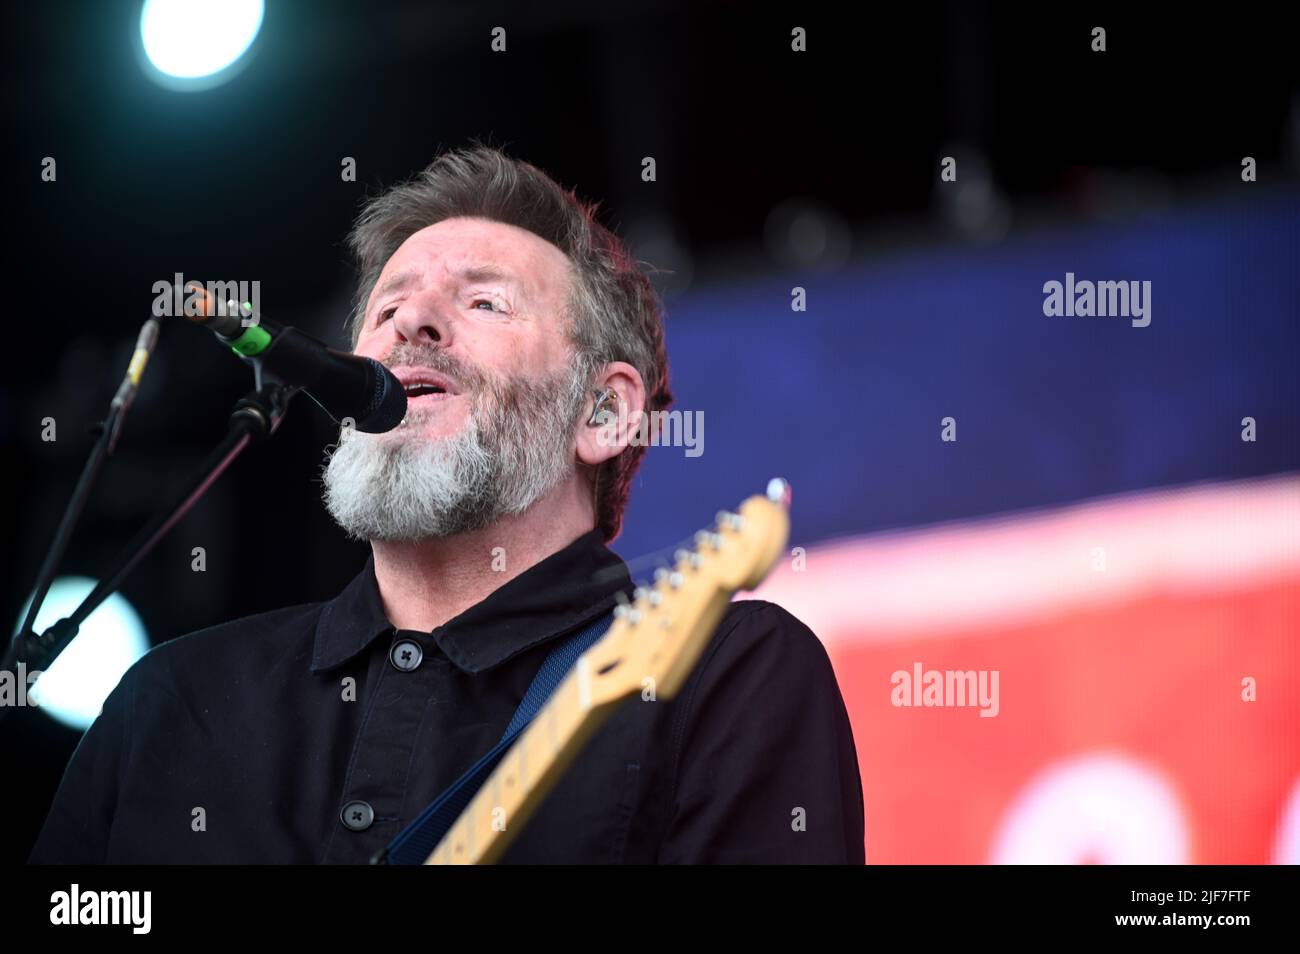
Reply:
x=414, y=843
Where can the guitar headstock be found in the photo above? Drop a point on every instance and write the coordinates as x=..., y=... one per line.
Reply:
x=657, y=637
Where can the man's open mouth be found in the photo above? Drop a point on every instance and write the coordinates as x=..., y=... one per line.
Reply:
x=420, y=390
x=424, y=384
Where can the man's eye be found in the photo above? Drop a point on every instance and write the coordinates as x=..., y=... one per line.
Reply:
x=495, y=304
x=385, y=314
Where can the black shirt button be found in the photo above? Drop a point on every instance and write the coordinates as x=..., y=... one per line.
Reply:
x=405, y=655
x=357, y=815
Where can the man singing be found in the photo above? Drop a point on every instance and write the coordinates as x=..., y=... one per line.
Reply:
x=314, y=734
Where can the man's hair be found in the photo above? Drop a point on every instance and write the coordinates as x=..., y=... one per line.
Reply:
x=614, y=312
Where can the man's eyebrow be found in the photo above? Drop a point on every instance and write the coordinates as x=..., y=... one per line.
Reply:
x=395, y=283
x=471, y=273
x=486, y=273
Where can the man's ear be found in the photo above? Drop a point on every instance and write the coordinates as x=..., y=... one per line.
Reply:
x=612, y=414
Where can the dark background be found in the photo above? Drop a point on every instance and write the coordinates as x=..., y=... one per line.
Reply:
x=243, y=181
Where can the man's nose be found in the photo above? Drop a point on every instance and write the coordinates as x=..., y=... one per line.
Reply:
x=420, y=320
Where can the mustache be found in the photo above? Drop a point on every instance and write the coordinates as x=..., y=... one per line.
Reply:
x=466, y=376
x=493, y=395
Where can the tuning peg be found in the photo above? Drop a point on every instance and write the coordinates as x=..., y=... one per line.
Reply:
x=693, y=559
x=706, y=538
x=671, y=578
x=779, y=491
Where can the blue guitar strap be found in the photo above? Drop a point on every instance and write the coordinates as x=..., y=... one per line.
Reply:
x=414, y=843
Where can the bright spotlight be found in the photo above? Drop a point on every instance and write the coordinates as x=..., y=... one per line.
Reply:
x=197, y=44
x=111, y=639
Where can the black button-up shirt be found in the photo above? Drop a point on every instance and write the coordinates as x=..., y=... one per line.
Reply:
x=316, y=733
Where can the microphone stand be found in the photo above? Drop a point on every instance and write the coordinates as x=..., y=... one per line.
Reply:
x=107, y=433
x=255, y=417
x=102, y=450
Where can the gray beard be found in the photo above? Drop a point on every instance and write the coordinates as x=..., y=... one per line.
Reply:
x=514, y=449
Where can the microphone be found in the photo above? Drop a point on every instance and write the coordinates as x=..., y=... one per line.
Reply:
x=344, y=385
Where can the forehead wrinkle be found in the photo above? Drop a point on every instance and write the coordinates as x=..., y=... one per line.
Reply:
x=492, y=272
x=489, y=267
x=483, y=265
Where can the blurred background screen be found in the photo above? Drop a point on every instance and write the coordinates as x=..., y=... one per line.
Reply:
x=1086, y=527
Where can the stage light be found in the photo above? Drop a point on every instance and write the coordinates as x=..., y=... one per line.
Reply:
x=111, y=639
x=803, y=233
x=197, y=44
x=654, y=239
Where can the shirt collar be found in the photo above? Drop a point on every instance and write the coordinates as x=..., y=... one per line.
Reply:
x=567, y=590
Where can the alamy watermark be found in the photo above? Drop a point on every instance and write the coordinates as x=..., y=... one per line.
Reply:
x=1088, y=299
x=675, y=428
x=128, y=908
x=181, y=299
x=949, y=688
x=15, y=688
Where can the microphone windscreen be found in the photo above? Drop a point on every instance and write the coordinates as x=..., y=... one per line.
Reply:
x=387, y=406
